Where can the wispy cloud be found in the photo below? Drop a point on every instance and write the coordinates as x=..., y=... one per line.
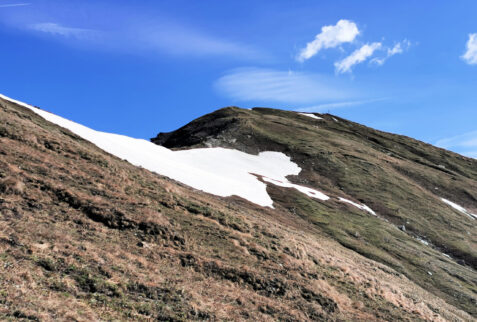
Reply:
x=182, y=40
x=9, y=5
x=268, y=85
x=465, y=144
x=60, y=30
x=322, y=107
x=344, y=31
x=149, y=33
x=398, y=48
x=166, y=38
x=356, y=57
x=470, y=55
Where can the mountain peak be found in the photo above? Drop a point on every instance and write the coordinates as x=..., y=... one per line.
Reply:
x=406, y=182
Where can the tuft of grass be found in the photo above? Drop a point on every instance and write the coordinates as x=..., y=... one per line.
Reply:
x=11, y=185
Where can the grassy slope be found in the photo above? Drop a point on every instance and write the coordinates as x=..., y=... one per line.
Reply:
x=86, y=236
x=400, y=178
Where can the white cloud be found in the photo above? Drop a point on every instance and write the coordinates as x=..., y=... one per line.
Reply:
x=59, y=30
x=9, y=5
x=331, y=36
x=398, y=48
x=470, y=55
x=267, y=85
x=356, y=57
x=465, y=144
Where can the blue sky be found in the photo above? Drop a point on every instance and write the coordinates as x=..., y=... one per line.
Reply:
x=140, y=67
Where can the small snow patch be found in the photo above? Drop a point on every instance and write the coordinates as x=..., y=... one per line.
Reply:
x=425, y=242
x=460, y=209
x=307, y=191
x=362, y=207
x=313, y=116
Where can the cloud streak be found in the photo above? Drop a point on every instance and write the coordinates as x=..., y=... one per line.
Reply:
x=344, y=31
x=356, y=57
x=149, y=33
x=465, y=144
x=181, y=40
x=10, y=5
x=60, y=30
x=322, y=107
x=470, y=55
x=163, y=38
x=268, y=85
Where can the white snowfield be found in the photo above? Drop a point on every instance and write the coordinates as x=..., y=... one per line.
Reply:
x=219, y=171
x=460, y=209
x=313, y=116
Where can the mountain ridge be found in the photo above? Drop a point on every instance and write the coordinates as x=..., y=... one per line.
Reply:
x=288, y=262
x=418, y=170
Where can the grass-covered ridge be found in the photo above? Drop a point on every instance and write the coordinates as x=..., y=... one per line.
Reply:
x=85, y=236
x=401, y=179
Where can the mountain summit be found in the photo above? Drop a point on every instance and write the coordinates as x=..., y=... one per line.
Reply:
x=428, y=193
x=239, y=215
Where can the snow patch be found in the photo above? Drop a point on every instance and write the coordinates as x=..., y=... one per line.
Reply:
x=425, y=242
x=307, y=191
x=362, y=207
x=460, y=209
x=219, y=171
x=313, y=116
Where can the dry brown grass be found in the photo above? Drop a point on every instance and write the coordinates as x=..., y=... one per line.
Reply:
x=11, y=185
x=85, y=236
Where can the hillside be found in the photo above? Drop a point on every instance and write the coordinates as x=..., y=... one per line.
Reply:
x=409, y=184
x=85, y=235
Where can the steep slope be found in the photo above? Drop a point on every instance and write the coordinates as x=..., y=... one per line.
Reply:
x=407, y=183
x=85, y=236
